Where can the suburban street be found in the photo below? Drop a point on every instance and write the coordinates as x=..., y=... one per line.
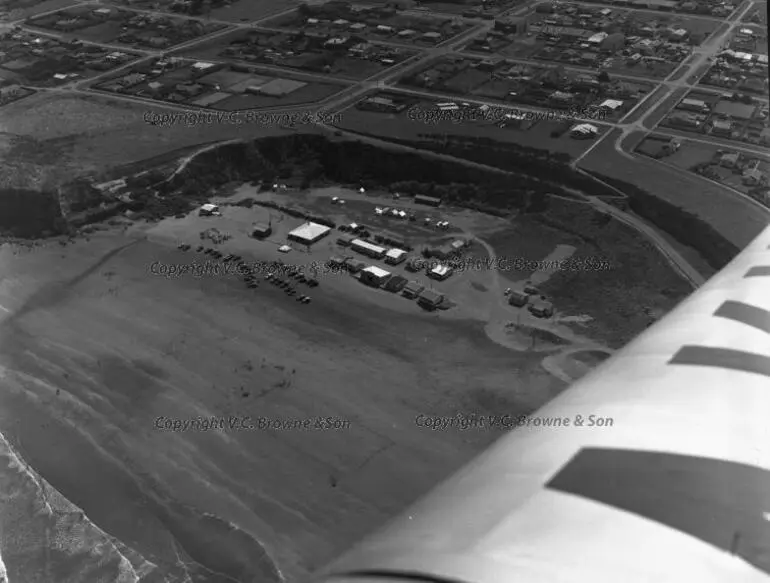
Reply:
x=683, y=77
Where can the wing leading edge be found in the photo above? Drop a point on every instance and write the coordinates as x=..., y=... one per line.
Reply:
x=674, y=487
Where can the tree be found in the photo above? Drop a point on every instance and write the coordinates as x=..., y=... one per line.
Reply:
x=603, y=77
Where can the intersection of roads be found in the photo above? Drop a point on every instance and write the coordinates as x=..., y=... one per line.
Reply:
x=684, y=77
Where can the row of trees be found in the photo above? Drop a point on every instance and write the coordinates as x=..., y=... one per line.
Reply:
x=546, y=172
x=683, y=226
x=533, y=176
x=311, y=158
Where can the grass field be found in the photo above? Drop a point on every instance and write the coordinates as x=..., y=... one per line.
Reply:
x=310, y=94
x=692, y=153
x=399, y=126
x=637, y=284
x=70, y=136
x=734, y=218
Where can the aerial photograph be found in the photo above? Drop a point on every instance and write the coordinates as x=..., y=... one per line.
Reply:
x=272, y=271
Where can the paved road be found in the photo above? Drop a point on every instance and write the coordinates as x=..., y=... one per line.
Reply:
x=672, y=256
x=628, y=128
x=668, y=81
x=385, y=80
x=707, y=51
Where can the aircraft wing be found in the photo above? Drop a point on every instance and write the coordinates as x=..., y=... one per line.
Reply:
x=670, y=484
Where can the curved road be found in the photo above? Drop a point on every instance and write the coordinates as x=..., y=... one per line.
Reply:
x=672, y=256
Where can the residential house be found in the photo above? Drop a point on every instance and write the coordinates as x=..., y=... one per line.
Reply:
x=754, y=177
x=722, y=127
x=729, y=160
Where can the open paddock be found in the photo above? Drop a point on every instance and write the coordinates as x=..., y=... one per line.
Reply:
x=72, y=136
x=310, y=94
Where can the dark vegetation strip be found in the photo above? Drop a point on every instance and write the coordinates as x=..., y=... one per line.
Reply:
x=554, y=168
x=685, y=227
x=312, y=158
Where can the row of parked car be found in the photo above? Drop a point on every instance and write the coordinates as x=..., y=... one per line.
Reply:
x=286, y=286
x=250, y=273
